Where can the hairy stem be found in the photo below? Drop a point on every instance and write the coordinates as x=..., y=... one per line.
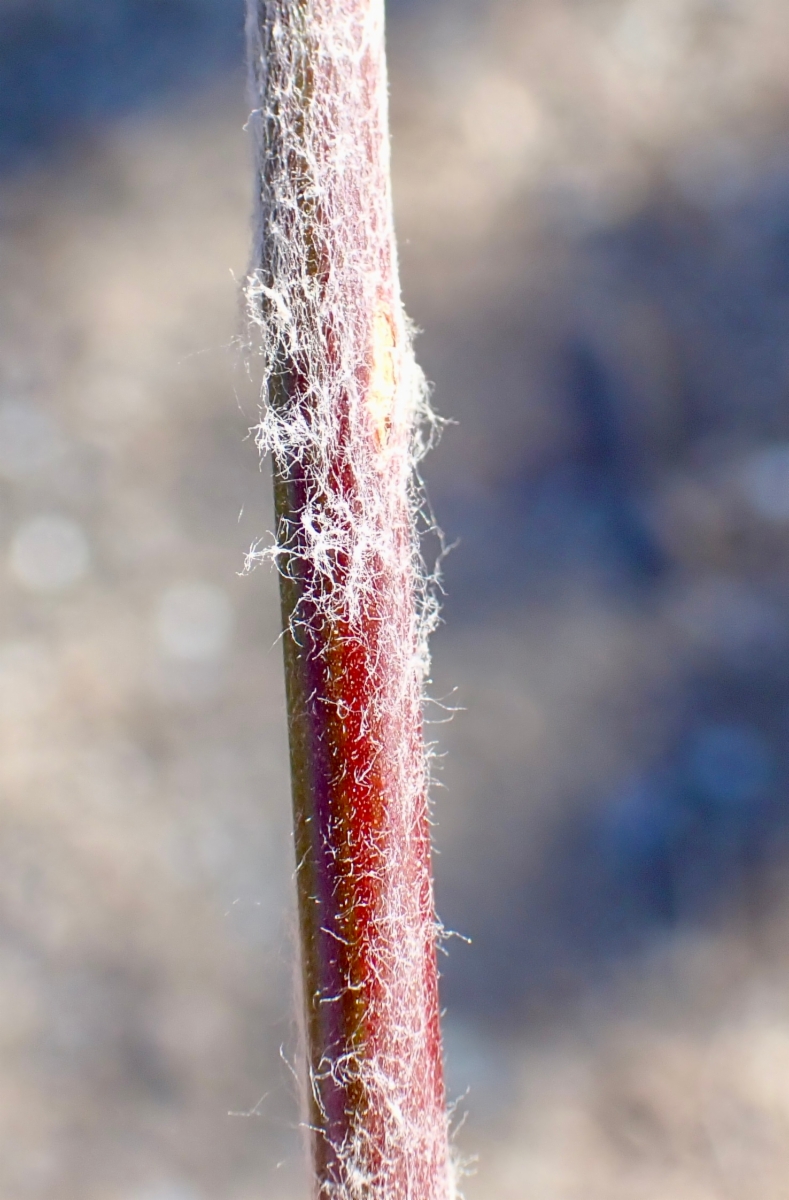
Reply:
x=344, y=422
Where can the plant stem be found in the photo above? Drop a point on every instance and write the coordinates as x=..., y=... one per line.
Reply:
x=343, y=421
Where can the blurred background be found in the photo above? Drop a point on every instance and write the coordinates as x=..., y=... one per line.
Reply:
x=593, y=205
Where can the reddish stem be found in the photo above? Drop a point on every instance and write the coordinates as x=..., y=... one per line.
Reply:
x=342, y=422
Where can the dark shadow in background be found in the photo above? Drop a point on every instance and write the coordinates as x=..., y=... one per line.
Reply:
x=698, y=834
x=67, y=65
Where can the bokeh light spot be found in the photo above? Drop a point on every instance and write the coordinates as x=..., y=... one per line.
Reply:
x=49, y=553
x=29, y=440
x=765, y=481
x=194, y=622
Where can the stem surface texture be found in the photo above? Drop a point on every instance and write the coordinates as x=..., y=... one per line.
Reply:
x=346, y=420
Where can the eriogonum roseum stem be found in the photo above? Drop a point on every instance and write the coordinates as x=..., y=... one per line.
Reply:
x=344, y=419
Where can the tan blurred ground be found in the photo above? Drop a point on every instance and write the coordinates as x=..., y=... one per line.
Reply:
x=145, y=956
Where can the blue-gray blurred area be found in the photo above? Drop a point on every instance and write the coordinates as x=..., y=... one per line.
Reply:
x=660, y=505
x=593, y=208
x=65, y=64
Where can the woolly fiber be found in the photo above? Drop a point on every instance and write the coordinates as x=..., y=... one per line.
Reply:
x=346, y=421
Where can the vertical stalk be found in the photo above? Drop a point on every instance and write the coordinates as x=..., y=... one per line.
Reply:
x=343, y=422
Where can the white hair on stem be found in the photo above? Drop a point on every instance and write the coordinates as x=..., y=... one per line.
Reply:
x=346, y=420
x=325, y=174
